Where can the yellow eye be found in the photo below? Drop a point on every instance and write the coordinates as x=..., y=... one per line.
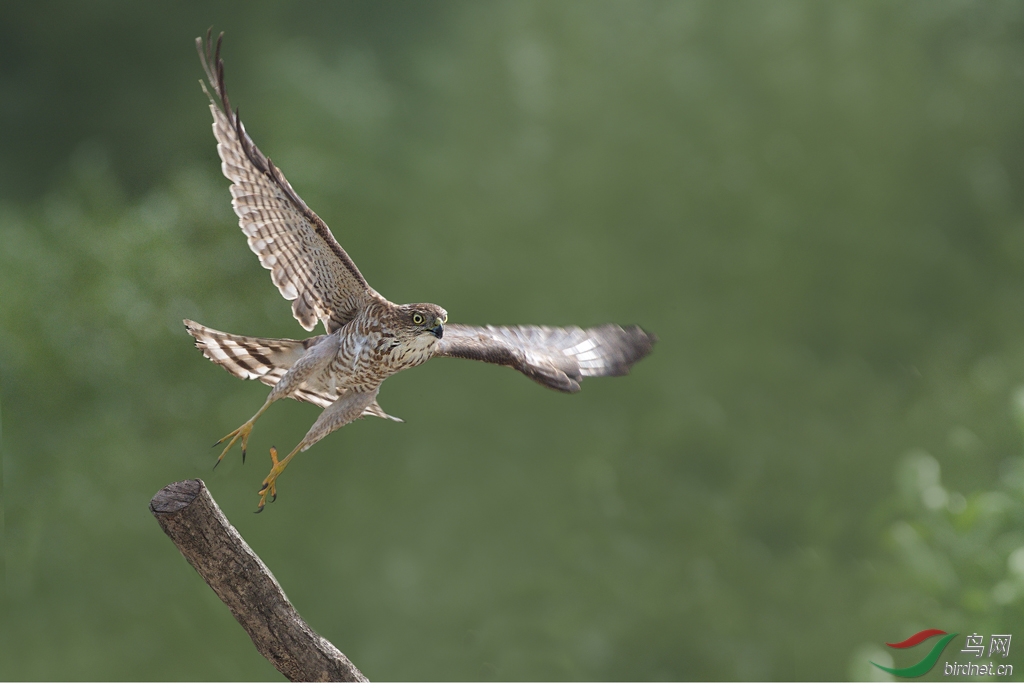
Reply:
x=445, y=319
x=417, y=318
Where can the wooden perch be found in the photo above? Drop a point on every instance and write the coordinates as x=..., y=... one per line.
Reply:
x=189, y=515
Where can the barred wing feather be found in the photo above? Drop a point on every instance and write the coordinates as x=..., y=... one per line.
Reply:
x=305, y=261
x=558, y=358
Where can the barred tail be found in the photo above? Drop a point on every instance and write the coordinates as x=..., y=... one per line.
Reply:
x=244, y=357
x=265, y=359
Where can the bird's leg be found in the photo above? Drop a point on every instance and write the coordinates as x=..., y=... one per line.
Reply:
x=349, y=407
x=270, y=482
x=311, y=361
x=241, y=433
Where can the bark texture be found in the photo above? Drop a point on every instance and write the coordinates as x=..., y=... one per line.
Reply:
x=189, y=515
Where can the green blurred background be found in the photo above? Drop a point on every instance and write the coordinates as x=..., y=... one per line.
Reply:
x=816, y=206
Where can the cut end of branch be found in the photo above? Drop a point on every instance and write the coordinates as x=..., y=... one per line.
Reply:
x=176, y=496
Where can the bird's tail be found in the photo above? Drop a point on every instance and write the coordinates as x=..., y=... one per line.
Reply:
x=244, y=357
x=265, y=359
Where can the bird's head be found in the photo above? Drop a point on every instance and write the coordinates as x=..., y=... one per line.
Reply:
x=426, y=320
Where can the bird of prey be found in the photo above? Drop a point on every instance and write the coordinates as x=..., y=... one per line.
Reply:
x=368, y=338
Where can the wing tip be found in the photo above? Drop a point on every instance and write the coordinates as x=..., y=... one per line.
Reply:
x=639, y=344
x=629, y=345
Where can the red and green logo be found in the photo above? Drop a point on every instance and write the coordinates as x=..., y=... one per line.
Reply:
x=924, y=665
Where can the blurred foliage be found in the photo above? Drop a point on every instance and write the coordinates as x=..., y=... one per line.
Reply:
x=817, y=207
x=953, y=560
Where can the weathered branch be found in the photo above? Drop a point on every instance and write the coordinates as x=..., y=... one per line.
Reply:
x=189, y=515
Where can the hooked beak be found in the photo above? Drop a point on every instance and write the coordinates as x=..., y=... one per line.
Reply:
x=438, y=329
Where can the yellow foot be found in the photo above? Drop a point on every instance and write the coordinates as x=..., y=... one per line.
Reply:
x=270, y=482
x=241, y=433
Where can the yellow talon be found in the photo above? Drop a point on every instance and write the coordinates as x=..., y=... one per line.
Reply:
x=270, y=482
x=241, y=433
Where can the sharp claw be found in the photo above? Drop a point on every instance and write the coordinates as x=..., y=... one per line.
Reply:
x=273, y=497
x=243, y=455
x=265, y=486
x=258, y=510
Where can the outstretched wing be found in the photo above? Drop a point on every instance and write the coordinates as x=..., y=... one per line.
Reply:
x=558, y=358
x=305, y=261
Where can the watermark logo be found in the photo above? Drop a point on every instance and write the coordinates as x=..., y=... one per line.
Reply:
x=998, y=645
x=924, y=665
x=974, y=644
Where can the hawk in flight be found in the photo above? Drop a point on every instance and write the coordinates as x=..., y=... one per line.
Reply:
x=368, y=338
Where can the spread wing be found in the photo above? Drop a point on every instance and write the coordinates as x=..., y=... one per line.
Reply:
x=305, y=261
x=558, y=358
